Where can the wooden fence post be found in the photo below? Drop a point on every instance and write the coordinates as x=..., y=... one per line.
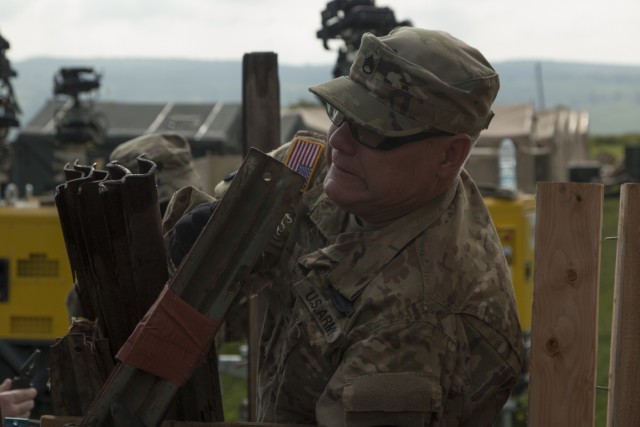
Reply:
x=624, y=375
x=261, y=130
x=565, y=304
x=260, y=101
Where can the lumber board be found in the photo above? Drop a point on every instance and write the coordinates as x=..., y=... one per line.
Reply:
x=565, y=304
x=624, y=375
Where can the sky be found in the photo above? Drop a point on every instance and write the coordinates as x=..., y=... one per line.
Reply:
x=592, y=31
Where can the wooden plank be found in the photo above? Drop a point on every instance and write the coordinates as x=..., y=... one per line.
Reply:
x=565, y=304
x=261, y=130
x=624, y=375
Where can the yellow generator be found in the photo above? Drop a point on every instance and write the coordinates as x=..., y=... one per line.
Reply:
x=514, y=215
x=35, y=277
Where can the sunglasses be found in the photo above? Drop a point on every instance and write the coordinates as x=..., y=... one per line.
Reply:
x=375, y=140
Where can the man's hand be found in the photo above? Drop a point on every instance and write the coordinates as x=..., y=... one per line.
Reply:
x=16, y=403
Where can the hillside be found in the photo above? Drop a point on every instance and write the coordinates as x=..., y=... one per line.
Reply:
x=610, y=93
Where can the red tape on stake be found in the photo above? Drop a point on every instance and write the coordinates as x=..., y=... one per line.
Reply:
x=170, y=340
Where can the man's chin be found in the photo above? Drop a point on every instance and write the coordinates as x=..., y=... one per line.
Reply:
x=341, y=198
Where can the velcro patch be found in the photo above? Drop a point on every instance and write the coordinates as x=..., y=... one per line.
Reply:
x=303, y=157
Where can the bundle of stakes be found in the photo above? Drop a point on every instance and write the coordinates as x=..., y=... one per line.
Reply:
x=175, y=334
x=112, y=231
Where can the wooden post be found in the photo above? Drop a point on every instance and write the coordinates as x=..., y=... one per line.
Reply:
x=260, y=101
x=565, y=304
x=624, y=375
x=261, y=130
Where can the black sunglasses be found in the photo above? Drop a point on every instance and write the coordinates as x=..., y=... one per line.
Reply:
x=375, y=140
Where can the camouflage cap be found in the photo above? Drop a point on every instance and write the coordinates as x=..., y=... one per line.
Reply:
x=172, y=155
x=413, y=80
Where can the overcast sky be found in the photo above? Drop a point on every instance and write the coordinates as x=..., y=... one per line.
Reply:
x=593, y=31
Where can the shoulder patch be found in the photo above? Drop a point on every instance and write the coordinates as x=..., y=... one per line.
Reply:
x=303, y=157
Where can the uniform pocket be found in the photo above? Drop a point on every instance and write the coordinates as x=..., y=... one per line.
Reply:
x=395, y=399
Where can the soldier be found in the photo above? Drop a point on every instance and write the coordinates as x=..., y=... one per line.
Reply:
x=171, y=154
x=390, y=301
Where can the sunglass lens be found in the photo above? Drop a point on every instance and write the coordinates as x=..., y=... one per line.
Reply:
x=336, y=117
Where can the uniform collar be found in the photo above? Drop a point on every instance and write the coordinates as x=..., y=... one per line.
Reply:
x=357, y=256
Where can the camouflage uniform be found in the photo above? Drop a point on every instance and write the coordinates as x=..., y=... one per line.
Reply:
x=411, y=324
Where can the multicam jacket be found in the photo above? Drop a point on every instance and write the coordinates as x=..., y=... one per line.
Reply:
x=413, y=324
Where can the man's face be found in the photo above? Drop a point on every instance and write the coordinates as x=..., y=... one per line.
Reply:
x=380, y=186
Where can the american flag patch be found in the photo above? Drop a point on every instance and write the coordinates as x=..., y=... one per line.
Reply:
x=303, y=158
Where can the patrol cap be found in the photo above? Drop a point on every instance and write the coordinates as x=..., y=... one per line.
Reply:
x=172, y=155
x=415, y=80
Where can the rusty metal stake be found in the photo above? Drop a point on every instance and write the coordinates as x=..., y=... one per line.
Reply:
x=208, y=279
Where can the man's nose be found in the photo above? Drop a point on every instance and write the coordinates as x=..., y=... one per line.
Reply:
x=341, y=138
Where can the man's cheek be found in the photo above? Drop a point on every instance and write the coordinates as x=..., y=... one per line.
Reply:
x=327, y=156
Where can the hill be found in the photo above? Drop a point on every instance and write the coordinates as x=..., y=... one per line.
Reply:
x=610, y=93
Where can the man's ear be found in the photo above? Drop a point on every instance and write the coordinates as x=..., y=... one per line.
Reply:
x=456, y=152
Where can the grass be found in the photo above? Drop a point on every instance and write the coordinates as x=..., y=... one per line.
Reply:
x=605, y=310
x=613, y=147
x=234, y=389
x=234, y=393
